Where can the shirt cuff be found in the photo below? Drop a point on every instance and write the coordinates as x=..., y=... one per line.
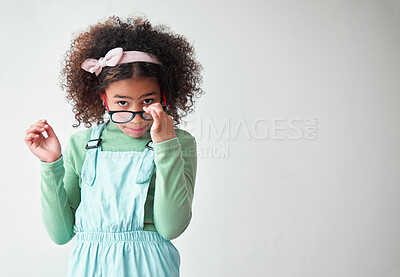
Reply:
x=166, y=145
x=52, y=166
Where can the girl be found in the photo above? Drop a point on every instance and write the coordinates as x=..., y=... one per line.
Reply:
x=125, y=186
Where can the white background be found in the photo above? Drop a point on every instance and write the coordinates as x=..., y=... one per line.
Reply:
x=275, y=196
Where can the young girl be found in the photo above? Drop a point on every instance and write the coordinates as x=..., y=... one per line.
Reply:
x=125, y=186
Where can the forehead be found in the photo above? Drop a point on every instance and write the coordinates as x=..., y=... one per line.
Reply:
x=134, y=87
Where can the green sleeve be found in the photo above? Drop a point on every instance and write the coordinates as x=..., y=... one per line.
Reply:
x=176, y=165
x=60, y=198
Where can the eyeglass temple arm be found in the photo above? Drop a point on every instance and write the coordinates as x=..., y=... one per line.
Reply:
x=104, y=97
x=165, y=101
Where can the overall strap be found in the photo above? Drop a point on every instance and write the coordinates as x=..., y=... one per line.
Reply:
x=89, y=165
x=149, y=145
x=95, y=139
x=146, y=164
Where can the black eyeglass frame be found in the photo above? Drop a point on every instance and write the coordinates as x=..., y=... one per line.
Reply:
x=133, y=115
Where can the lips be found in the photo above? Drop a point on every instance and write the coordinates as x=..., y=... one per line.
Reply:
x=134, y=130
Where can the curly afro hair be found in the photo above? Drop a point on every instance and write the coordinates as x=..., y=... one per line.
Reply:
x=178, y=75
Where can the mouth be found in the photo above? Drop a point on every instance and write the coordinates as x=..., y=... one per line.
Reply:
x=136, y=131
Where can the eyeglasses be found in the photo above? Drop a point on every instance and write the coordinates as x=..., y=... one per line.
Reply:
x=126, y=116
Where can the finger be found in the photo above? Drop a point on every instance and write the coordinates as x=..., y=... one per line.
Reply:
x=154, y=105
x=30, y=139
x=49, y=130
x=157, y=119
x=157, y=108
x=31, y=136
x=36, y=129
x=38, y=124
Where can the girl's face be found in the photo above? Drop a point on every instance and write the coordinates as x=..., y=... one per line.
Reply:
x=132, y=95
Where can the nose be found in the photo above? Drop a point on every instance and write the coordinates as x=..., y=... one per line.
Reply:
x=137, y=119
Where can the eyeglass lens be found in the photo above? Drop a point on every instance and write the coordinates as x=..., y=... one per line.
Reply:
x=123, y=116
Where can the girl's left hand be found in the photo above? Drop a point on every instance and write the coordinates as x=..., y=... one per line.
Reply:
x=163, y=126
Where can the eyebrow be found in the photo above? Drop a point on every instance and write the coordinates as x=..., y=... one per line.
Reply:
x=128, y=97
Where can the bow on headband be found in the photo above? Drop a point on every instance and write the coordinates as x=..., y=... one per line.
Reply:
x=117, y=56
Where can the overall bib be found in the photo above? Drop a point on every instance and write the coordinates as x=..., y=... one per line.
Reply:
x=110, y=240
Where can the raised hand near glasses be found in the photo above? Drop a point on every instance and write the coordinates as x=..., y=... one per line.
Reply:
x=46, y=149
x=163, y=126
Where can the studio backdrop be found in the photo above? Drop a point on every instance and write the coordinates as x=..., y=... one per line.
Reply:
x=298, y=133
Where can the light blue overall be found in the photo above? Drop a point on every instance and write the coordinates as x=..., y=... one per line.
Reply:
x=110, y=240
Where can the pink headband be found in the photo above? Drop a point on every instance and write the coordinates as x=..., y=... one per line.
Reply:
x=117, y=56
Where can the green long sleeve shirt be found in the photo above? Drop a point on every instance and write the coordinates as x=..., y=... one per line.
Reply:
x=168, y=207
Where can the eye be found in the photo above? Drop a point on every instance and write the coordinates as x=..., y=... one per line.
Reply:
x=122, y=103
x=147, y=101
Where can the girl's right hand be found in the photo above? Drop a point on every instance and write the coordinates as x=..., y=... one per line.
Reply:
x=46, y=149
